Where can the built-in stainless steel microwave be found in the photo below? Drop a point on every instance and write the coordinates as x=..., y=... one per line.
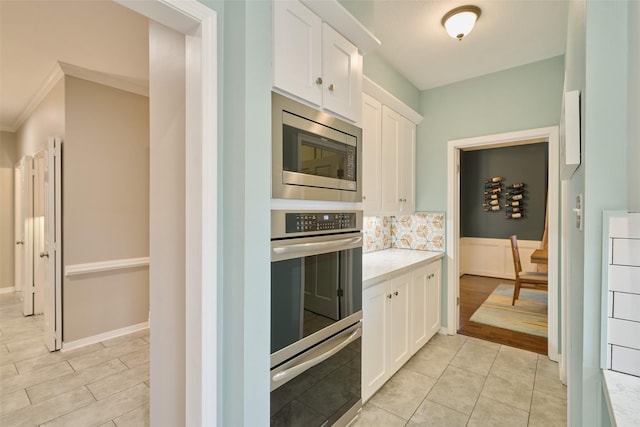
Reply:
x=315, y=156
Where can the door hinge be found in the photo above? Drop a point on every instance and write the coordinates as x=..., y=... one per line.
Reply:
x=340, y=292
x=458, y=301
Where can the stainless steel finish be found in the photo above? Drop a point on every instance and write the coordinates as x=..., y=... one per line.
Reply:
x=44, y=254
x=19, y=242
x=299, y=346
x=350, y=416
x=322, y=131
x=278, y=224
x=321, y=182
x=286, y=185
x=319, y=81
x=331, y=88
x=304, y=249
x=315, y=356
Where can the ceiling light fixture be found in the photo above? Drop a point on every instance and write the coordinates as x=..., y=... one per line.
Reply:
x=460, y=21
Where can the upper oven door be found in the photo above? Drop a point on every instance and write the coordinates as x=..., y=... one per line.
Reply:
x=316, y=290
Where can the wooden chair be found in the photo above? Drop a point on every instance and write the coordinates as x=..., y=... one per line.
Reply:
x=534, y=278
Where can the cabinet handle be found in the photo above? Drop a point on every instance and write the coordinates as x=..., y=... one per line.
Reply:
x=389, y=296
x=331, y=88
x=19, y=242
x=319, y=81
x=396, y=293
x=400, y=200
x=364, y=197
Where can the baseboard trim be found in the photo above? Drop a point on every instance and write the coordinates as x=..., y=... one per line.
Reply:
x=7, y=290
x=72, y=345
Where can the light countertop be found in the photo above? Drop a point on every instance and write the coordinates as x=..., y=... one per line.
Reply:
x=622, y=392
x=380, y=266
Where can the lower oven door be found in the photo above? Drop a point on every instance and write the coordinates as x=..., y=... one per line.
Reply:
x=316, y=291
x=320, y=387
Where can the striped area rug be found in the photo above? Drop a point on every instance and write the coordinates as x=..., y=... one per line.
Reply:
x=529, y=315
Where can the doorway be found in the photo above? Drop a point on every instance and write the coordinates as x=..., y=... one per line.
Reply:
x=453, y=222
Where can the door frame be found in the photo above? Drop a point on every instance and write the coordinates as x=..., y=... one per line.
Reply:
x=453, y=220
x=199, y=25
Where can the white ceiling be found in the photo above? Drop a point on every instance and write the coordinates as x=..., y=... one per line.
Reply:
x=104, y=36
x=509, y=33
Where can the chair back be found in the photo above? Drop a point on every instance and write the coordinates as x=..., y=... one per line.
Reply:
x=516, y=255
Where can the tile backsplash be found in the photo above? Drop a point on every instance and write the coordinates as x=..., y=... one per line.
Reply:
x=421, y=231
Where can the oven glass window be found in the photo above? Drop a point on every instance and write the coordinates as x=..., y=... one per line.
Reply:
x=313, y=292
x=320, y=395
x=310, y=154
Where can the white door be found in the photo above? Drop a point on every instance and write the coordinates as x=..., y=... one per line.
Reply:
x=18, y=197
x=37, y=227
x=52, y=292
x=371, y=154
x=375, y=335
x=399, y=321
x=27, y=226
x=391, y=123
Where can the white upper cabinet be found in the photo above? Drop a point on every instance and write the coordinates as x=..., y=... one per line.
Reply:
x=371, y=154
x=398, y=163
x=314, y=62
x=341, y=75
x=297, y=40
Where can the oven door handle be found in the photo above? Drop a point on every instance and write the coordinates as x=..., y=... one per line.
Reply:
x=307, y=247
x=297, y=369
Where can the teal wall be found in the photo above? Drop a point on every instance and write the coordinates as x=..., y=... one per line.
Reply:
x=603, y=180
x=375, y=67
x=244, y=138
x=525, y=97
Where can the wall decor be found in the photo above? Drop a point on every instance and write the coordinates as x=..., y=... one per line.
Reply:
x=492, y=194
x=515, y=201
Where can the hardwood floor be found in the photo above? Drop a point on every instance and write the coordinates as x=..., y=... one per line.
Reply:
x=473, y=291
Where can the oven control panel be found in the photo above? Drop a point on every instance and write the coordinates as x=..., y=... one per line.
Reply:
x=319, y=221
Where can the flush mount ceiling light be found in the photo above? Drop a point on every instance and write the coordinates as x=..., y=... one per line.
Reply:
x=460, y=21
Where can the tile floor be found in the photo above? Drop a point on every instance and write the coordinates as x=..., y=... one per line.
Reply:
x=463, y=381
x=452, y=381
x=104, y=384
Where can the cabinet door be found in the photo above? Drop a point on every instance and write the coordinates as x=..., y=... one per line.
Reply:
x=433, y=298
x=407, y=165
x=419, y=304
x=341, y=74
x=399, y=326
x=297, y=50
x=371, y=155
x=375, y=352
x=391, y=124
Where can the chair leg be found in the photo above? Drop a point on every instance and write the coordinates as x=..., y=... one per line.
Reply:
x=516, y=292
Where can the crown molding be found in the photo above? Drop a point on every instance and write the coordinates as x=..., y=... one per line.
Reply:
x=381, y=94
x=62, y=69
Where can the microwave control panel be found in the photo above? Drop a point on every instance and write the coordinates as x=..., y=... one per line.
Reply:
x=310, y=222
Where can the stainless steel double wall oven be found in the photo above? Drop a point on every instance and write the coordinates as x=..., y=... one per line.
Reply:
x=316, y=312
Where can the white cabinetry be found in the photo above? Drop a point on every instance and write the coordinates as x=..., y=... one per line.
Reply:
x=399, y=316
x=371, y=154
x=314, y=62
x=389, y=145
x=385, y=338
x=425, y=304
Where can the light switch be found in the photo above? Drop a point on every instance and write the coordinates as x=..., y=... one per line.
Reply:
x=578, y=211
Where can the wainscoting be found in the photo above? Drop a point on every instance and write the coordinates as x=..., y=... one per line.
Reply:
x=492, y=257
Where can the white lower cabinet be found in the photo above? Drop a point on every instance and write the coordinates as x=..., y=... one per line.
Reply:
x=399, y=317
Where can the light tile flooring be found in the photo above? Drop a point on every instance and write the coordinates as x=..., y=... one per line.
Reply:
x=463, y=381
x=452, y=381
x=104, y=384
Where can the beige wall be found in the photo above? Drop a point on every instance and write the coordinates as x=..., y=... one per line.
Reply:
x=47, y=120
x=167, y=224
x=8, y=159
x=106, y=206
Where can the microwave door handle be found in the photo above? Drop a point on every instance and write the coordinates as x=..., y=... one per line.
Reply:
x=297, y=369
x=306, y=247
